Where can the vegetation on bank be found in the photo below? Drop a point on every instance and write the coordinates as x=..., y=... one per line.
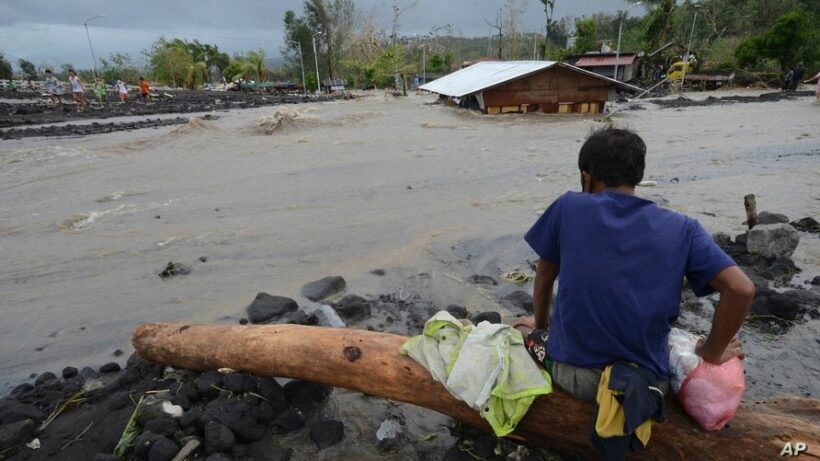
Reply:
x=764, y=36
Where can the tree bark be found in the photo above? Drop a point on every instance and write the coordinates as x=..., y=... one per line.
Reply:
x=370, y=362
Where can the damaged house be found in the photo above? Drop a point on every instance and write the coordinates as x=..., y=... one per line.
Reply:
x=497, y=87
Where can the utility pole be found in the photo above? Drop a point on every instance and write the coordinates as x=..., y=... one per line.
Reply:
x=316, y=60
x=620, y=29
x=301, y=64
x=534, y=46
x=688, y=48
x=423, y=64
x=88, y=36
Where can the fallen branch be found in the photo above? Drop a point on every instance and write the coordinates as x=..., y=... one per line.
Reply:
x=187, y=450
x=759, y=431
x=77, y=439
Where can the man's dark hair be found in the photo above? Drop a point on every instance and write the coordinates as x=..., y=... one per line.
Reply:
x=614, y=156
x=48, y=71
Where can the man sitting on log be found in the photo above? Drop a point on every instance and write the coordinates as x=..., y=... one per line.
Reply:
x=622, y=260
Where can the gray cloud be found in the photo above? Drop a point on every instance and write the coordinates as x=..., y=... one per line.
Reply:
x=49, y=32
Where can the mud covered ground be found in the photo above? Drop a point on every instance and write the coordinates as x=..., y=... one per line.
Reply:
x=26, y=113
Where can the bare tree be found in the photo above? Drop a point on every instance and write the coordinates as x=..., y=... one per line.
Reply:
x=499, y=26
x=513, y=10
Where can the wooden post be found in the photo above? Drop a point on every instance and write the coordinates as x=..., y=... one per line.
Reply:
x=370, y=362
x=750, y=202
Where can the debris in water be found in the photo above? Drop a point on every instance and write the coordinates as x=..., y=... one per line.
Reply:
x=173, y=269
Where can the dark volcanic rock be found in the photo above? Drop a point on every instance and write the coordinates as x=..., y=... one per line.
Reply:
x=70, y=372
x=323, y=288
x=765, y=217
x=327, y=433
x=110, y=367
x=16, y=433
x=266, y=308
x=238, y=416
x=353, y=308
x=459, y=312
x=816, y=280
x=208, y=382
x=305, y=394
x=805, y=298
x=106, y=457
x=47, y=376
x=162, y=426
x=290, y=420
x=492, y=317
x=194, y=418
x=778, y=305
x=482, y=280
x=379, y=272
x=236, y=382
x=520, y=299
x=272, y=391
x=143, y=443
x=218, y=437
x=301, y=318
x=807, y=224
x=163, y=450
x=119, y=400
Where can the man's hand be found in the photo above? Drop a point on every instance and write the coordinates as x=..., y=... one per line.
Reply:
x=736, y=295
x=731, y=351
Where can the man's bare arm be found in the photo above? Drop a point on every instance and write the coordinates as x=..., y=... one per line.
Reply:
x=545, y=274
x=736, y=295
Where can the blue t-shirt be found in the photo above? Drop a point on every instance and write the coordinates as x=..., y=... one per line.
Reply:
x=622, y=260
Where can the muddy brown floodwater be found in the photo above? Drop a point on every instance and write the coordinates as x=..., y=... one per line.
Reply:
x=273, y=197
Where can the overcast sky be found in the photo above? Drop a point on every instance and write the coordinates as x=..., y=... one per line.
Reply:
x=50, y=32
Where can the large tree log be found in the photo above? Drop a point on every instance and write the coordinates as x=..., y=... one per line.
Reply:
x=370, y=362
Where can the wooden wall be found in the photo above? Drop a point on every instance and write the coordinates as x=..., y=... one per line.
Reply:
x=544, y=91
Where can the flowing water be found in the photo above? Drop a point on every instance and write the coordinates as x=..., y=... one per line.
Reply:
x=279, y=196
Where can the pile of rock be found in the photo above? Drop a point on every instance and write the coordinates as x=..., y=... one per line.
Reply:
x=764, y=252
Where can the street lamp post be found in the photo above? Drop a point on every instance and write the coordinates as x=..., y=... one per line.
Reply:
x=88, y=36
x=301, y=64
x=620, y=29
x=688, y=48
x=423, y=64
x=316, y=60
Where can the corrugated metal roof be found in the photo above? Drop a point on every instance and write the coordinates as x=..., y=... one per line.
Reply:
x=603, y=61
x=484, y=75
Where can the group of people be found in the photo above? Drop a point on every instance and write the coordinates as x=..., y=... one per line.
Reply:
x=56, y=91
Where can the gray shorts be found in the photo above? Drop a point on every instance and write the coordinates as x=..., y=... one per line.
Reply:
x=582, y=383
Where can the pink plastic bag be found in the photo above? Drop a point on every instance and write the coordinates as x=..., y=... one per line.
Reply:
x=711, y=393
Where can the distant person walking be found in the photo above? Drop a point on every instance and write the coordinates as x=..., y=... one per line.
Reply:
x=13, y=85
x=77, y=90
x=54, y=88
x=144, y=94
x=815, y=79
x=122, y=91
x=797, y=76
x=99, y=89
